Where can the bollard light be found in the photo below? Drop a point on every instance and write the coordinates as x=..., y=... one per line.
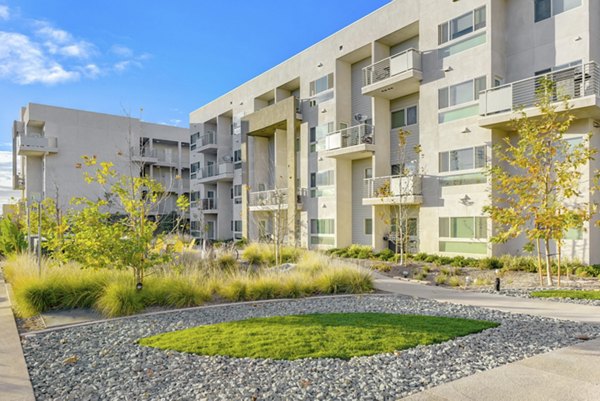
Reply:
x=139, y=286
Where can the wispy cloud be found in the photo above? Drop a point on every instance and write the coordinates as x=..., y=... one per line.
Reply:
x=4, y=13
x=49, y=55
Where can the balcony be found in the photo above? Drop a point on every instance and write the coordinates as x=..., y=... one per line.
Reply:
x=352, y=143
x=143, y=155
x=393, y=190
x=36, y=145
x=580, y=84
x=395, y=76
x=207, y=143
x=215, y=173
x=208, y=205
x=167, y=157
x=272, y=200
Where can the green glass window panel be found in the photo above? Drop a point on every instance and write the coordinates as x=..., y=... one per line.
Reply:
x=463, y=45
x=444, y=227
x=368, y=226
x=463, y=179
x=457, y=114
x=462, y=227
x=480, y=156
x=478, y=248
x=398, y=119
x=481, y=227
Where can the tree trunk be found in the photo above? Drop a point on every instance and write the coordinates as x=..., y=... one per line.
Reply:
x=548, y=265
x=539, y=262
x=558, y=249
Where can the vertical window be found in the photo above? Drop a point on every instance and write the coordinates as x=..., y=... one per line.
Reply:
x=322, y=84
x=462, y=25
x=543, y=10
x=404, y=117
x=369, y=172
x=368, y=226
x=317, y=136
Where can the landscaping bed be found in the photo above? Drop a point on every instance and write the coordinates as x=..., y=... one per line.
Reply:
x=102, y=361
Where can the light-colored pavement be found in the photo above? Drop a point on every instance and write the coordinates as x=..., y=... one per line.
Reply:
x=69, y=317
x=551, y=309
x=14, y=378
x=568, y=374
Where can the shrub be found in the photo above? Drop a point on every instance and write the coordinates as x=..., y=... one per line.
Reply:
x=289, y=254
x=121, y=298
x=588, y=271
x=257, y=254
x=226, y=262
x=382, y=267
x=313, y=262
x=443, y=260
x=490, y=263
x=426, y=269
x=264, y=287
x=421, y=276
x=454, y=281
x=431, y=259
x=518, y=263
x=343, y=280
x=385, y=255
x=441, y=279
x=234, y=290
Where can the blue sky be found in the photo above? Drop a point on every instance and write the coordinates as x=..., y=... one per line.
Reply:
x=168, y=58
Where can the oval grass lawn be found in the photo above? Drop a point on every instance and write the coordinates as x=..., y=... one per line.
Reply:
x=333, y=335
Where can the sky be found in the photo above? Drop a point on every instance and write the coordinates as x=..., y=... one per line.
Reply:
x=158, y=60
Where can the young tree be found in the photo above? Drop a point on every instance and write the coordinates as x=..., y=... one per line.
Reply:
x=12, y=237
x=537, y=180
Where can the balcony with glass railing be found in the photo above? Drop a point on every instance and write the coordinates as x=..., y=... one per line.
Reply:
x=393, y=190
x=143, y=155
x=579, y=84
x=274, y=199
x=357, y=142
x=208, y=205
x=207, y=143
x=395, y=76
x=29, y=145
x=215, y=173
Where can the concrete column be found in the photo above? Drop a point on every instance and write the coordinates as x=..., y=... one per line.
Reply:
x=381, y=163
x=343, y=190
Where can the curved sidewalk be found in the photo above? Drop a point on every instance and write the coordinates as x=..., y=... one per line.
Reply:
x=14, y=377
x=567, y=374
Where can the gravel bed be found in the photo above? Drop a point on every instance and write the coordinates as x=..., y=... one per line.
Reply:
x=526, y=293
x=102, y=361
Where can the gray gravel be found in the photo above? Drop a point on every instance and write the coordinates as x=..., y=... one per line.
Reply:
x=526, y=293
x=102, y=362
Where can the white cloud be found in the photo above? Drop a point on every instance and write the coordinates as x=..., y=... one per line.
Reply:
x=122, y=51
x=24, y=62
x=92, y=71
x=4, y=13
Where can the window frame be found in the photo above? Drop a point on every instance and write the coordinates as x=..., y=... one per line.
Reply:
x=405, y=113
x=446, y=32
x=479, y=161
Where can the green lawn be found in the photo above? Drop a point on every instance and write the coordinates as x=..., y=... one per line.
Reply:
x=577, y=294
x=335, y=335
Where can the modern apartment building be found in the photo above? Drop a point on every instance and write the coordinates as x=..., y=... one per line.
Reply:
x=49, y=141
x=312, y=145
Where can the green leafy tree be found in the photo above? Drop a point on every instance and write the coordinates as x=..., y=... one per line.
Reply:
x=12, y=238
x=117, y=231
x=537, y=180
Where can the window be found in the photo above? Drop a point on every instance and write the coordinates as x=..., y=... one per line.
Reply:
x=322, y=231
x=544, y=9
x=194, y=167
x=404, y=117
x=237, y=190
x=319, y=180
x=322, y=84
x=237, y=159
x=317, y=136
x=463, y=92
x=462, y=159
x=194, y=139
x=369, y=172
x=237, y=226
x=463, y=227
x=194, y=196
x=368, y=226
x=462, y=25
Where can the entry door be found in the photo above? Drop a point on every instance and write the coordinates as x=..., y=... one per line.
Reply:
x=210, y=230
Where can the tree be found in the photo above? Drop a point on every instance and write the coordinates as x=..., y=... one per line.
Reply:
x=117, y=231
x=537, y=180
x=395, y=195
x=12, y=238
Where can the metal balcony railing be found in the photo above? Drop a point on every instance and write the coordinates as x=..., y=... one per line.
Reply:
x=351, y=136
x=392, y=186
x=402, y=62
x=573, y=82
x=209, y=138
x=208, y=204
x=215, y=170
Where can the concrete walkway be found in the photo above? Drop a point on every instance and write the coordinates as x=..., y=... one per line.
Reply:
x=568, y=374
x=551, y=309
x=14, y=378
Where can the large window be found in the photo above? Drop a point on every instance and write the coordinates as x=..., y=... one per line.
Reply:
x=463, y=92
x=545, y=9
x=322, y=84
x=463, y=159
x=322, y=183
x=463, y=227
x=403, y=117
x=462, y=25
x=317, y=136
x=322, y=231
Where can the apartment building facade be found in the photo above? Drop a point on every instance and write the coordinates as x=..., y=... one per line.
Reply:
x=49, y=142
x=310, y=149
